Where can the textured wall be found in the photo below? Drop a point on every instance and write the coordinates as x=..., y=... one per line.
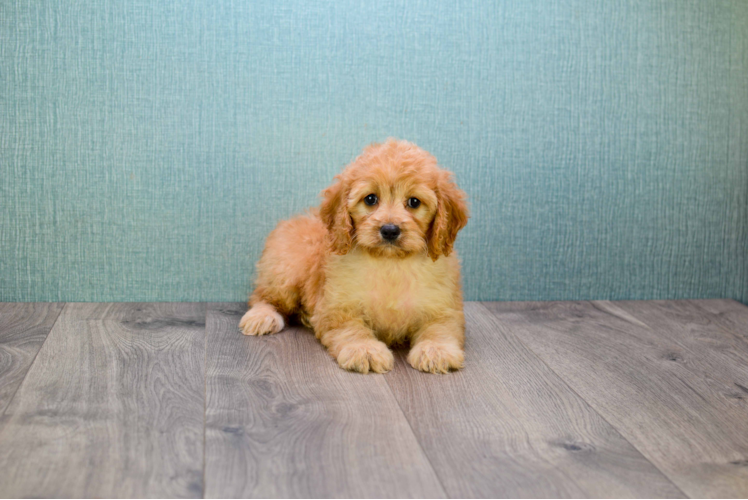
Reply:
x=147, y=147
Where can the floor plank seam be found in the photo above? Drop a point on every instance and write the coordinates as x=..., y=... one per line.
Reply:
x=592, y=408
x=205, y=393
x=415, y=436
x=10, y=400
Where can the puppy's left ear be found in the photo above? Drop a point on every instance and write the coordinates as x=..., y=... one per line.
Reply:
x=451, y=216
x=334, y=214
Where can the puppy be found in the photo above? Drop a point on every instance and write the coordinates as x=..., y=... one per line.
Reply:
x=373, y=266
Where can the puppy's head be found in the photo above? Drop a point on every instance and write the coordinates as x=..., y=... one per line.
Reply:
x=394, y=200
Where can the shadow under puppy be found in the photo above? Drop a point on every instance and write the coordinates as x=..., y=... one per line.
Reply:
x=373, y=266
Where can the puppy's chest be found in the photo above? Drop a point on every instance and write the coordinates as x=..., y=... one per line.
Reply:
x=393, y=295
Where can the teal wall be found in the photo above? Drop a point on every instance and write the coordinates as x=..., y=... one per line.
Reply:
x=147, y=147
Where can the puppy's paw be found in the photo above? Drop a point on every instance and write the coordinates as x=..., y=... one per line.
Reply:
x=362, y=356
x=261, y=320
x=434, y=357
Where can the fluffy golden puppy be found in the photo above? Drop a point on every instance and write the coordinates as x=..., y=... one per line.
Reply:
x=373, y=266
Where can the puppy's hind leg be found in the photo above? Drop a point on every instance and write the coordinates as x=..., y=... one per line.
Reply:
x=288, y=269
x=261, y=319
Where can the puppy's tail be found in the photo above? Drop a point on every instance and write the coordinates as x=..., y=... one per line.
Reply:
x=261, y=319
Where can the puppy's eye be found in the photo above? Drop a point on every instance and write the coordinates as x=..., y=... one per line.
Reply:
x=414, y=202
x=371, y=200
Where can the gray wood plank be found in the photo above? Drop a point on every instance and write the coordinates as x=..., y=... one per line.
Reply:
x=701, y=342
x=507, y=426
x=663, y=383
x=23, y=328
x=113, y=406
x=729, y=314
x=283, y=420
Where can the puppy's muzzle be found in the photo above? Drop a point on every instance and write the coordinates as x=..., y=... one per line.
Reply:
x=389, y=232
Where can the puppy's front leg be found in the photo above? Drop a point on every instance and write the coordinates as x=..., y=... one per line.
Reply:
x=356, y=347
x=438, y=346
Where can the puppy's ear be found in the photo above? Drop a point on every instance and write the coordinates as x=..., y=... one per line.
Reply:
x=334, y=214
x=451, y=216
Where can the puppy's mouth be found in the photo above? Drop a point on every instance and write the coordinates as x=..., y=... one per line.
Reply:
x=390, y=243
x=387, y=248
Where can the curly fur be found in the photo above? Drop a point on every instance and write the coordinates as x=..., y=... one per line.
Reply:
x=332, y=269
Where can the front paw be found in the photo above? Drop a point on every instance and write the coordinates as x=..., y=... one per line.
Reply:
x=434, y=357
x=362, y=356
x=261, y=320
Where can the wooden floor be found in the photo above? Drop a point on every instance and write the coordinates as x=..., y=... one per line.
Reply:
x=557, y=399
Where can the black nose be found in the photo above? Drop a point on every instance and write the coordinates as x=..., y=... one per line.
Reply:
x=389, y=232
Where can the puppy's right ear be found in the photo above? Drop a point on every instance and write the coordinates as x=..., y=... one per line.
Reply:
x=334, y=214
